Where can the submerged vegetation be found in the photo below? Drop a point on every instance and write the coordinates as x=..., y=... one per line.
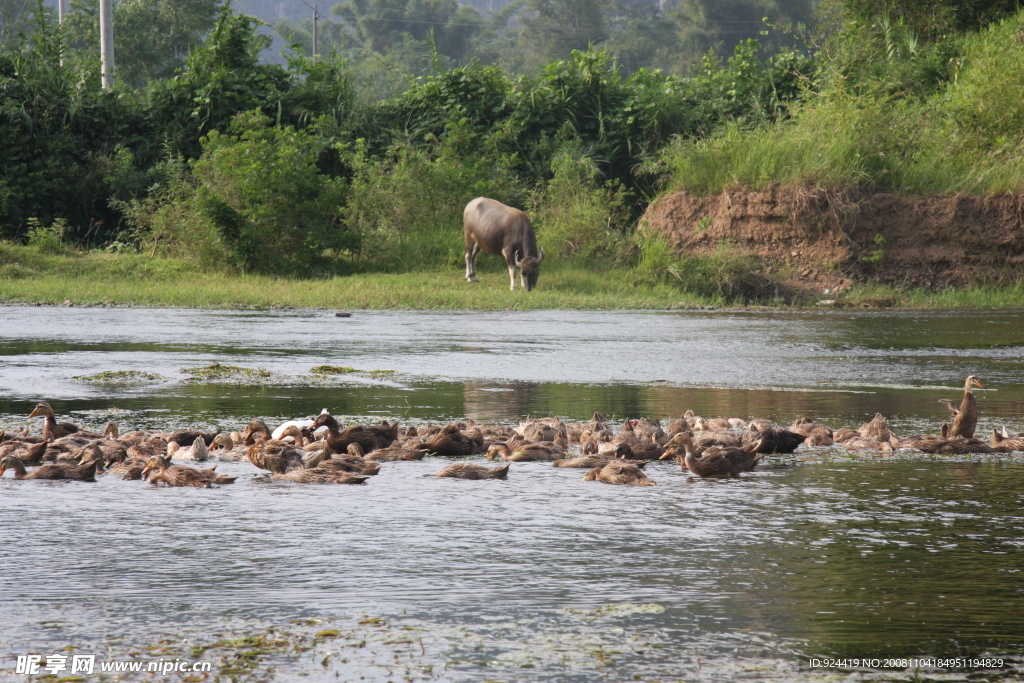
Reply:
x=207, y=186
x=219, y=372
x=118, y=377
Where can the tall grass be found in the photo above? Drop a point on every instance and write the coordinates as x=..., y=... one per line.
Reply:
x=577, y=218
x=727, y=275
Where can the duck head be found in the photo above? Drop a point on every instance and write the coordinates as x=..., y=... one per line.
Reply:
x=296, y=434
x=157, y=462
x=42, y=409
x=495, y=451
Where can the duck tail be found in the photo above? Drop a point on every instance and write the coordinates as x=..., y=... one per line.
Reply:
x=501, y=472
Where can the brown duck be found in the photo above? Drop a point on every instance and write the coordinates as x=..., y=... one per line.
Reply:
x=960, y=446
x=618, y=472
x=525, y=452
x=254, y=431
x=1014, y=443
x=129, y=469
x=276, y=456
x=340, y=438
x=52, y=429
x=877, y=429
x=186, y=437
x=680, y=424
x=320, y=475
x=33, y=455
x=352, y=463
x=385, y=433
x=397, y=452
x=719, y=461
x=452, y=442
x=778, y=440
x=467, y=470
x=584, y=461
x=965, y=422
x=83, y=472
x=179, y=475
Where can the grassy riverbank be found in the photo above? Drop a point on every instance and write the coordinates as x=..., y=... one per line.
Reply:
x=30, y=276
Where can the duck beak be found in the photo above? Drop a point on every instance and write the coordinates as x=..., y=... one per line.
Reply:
x=977, y=383
x=35, y=413
x=146, y=471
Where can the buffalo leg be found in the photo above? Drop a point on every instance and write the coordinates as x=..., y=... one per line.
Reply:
x=471, y=251
x=510, y=260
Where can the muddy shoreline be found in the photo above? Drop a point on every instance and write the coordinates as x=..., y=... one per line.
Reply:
x=831, y=239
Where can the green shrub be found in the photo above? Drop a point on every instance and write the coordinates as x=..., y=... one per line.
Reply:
x=579, y=218
x=729, y=273
x=407, y=206
x=47, y=238
x=254, y=200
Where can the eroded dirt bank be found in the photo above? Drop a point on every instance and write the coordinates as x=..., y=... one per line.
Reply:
x=827, y=239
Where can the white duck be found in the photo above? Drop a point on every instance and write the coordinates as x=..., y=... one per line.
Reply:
x=300, y=424
x=197, y=451
x=234, y=450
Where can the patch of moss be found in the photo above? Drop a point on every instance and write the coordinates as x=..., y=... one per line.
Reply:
x=217, y=371
x=332, y=370
x=118, y=377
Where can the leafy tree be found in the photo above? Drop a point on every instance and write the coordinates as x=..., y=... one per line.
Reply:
x=152, y=37
x=56, y=126
x=935, y=16
x=641, y=36
x=720, y=25
x=15, y=19
x=380, y=25
x=222, y=77
x=552, y=29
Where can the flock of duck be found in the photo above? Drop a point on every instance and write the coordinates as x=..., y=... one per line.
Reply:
x=319, y=450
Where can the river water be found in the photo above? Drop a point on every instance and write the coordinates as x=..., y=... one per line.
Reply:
x=543, y=577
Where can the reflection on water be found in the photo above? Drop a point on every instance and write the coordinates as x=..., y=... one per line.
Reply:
x=817, y=554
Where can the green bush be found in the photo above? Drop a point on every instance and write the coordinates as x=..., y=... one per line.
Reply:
x=580, y=219
x=407, y=206
x=729, y=273
x=254, y=200
x=49, y=239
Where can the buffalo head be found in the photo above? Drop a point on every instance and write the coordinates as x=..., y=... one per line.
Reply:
x=529, y=269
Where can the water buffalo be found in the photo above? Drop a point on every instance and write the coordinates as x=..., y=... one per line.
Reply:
x=491, y=226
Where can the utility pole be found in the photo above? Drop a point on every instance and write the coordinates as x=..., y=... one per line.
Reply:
x=106, y=43
x=316, y=15
x=60, y=21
